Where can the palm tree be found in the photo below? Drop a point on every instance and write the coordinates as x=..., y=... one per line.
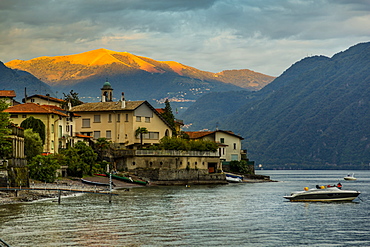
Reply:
x=140, y=131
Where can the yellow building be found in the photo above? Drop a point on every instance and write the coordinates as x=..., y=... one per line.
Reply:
x=229, y=144
x=8, y=97
x=52, y=116
x=43, y=100
x=118, y=121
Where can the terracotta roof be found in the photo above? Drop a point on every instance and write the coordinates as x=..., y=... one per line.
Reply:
x=46, y=98
x=107, y=106
x=32, y=108
x=160, y=110
x=7, y=94
x=200, y=134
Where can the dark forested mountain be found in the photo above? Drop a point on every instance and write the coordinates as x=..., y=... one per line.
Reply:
x=139, y=77
x=316, y=114
x=19, y=80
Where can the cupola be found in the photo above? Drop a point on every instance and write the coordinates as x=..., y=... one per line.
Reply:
x=106, y=92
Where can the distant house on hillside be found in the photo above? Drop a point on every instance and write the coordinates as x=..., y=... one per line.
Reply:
x=229, y=144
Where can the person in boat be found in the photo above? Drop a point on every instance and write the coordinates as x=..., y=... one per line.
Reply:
x=339, y=186
x=318, y=187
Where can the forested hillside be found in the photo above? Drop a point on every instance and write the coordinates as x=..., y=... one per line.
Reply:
x=315, y=115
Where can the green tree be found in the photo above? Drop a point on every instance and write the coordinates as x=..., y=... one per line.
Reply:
x=175, y=143
x=32, y=144
x=139, y=132
x=5, y=143
x=168, y=115
x=239, y=166
x=71, y=98
x=81, y=159
x=44, y=168
x=36, y=125
x=100, y=146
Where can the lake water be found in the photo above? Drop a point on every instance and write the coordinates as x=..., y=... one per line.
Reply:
x=224, y=215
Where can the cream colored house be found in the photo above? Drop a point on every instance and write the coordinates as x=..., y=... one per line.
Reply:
x=8, y=96
x=43, y=100
x=229, y=144
x=52, y=116
x=118, y=121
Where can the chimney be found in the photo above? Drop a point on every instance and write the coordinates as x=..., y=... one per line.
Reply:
x=123, y=100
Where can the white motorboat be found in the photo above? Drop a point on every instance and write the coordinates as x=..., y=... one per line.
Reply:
x=350, y=177
x=233, y=178
x=323, y=194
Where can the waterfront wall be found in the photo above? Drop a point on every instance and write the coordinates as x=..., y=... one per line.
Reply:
x=172, y=167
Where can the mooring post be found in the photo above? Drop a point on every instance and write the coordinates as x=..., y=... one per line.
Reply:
x=110, y=187
x=59, y=195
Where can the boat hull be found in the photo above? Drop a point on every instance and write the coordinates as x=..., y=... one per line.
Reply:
x=323, y=195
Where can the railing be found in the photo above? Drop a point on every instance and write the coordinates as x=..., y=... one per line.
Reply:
x=175, y=153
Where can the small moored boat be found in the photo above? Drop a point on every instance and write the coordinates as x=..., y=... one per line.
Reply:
x=350, y=177
x=85, y=181
x=233, y=178
x=323, y=194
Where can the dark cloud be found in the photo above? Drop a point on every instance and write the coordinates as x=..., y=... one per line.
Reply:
x=266, y=36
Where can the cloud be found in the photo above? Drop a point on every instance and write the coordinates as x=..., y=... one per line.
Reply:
x=266, y=36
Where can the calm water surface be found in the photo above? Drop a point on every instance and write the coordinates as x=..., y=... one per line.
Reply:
x=234, y=215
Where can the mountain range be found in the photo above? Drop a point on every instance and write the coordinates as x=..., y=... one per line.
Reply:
x=139, y=77
x=315, y=115
x=18, y=81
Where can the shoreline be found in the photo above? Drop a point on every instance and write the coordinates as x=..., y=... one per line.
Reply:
x=29, y=196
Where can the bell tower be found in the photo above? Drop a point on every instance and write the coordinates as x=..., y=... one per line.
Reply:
x=106, y=92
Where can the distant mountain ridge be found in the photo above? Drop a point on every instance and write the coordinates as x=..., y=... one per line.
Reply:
x=315, y=115
x=68, y=70
x=138, y=77
x=22, y=82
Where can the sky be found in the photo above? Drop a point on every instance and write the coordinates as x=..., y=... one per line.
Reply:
x=265, y=36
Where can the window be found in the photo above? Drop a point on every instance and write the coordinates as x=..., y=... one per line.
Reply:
x=118, y=117
x=24, y=116
x=222, y=140
x=96, y=134
x=147, y=119
x=13, y=116
x=138, y=119
x=109, y=118
x=96, y=118
x=60, y=130
x=67, y=128
x=151, y=135
x=33, y=100
x=126, y=117
x=108, y=134
x=234, y=157
x=86, y=123
x=234, y=145
x=52, y=128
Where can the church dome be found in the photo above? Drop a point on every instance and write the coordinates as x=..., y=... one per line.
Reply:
x=107, y=85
